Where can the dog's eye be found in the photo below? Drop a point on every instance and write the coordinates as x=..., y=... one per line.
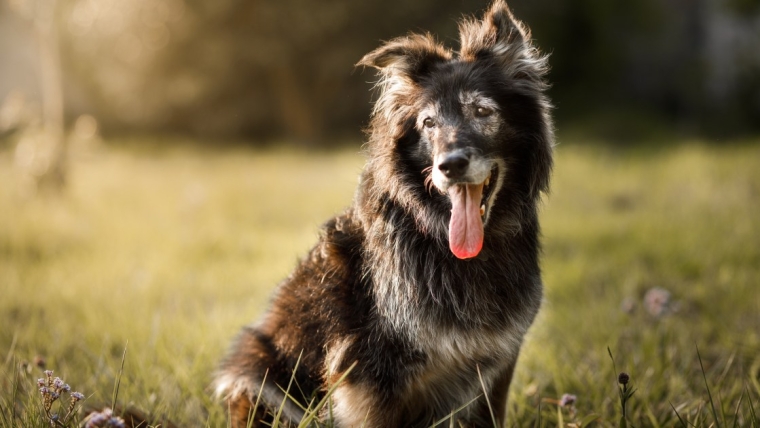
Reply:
x=428, y=122
x=483, y=111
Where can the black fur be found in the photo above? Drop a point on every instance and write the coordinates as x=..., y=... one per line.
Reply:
x=381, y=291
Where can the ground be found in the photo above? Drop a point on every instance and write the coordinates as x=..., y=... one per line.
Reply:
x=652, y=253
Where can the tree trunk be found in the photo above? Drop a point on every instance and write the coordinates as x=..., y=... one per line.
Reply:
x=51, y=84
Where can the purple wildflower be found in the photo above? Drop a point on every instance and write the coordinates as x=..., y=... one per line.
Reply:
x=116, y=422
x=567, y=400
x=51, y=389
x=96, y=420
x=104, y=418
x=58, y=383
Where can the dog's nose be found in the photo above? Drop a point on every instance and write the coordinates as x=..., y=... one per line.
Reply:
x=454, y=165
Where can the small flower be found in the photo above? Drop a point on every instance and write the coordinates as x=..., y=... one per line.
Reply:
x=623, y=378
x=74, y=398
x=657, y=301
x=51, y=389
x=104, y=418
x=58, y=383
x=116, y=422
x=567, y=400
x=95, y=420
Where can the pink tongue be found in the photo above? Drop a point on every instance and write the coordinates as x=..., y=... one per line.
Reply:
x=465, y=226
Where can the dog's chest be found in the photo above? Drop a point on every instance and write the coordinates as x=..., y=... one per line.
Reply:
x=456, y=352
x=453, y=346
x=458, y=365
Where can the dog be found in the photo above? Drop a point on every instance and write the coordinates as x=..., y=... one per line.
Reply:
x=413, y=305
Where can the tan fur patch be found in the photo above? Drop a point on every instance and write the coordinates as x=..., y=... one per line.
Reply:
x=352, y=406
x=334, y=358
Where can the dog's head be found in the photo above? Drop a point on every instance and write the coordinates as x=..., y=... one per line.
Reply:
x=474, y=124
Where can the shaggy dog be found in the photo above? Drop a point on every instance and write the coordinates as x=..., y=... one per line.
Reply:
x=413, y=305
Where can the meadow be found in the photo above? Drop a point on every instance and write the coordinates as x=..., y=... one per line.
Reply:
x=141, y=272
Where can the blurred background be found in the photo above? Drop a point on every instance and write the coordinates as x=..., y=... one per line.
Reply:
x=263, y=70
x=187, y=137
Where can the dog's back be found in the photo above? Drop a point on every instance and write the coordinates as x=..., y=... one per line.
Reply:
x=417, y=297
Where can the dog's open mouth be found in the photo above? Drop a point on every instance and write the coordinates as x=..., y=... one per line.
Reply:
x=470, y=205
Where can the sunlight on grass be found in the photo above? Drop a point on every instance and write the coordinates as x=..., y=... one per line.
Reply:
x=173, y=250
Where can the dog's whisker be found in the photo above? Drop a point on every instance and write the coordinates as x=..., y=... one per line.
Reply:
x=429, y=185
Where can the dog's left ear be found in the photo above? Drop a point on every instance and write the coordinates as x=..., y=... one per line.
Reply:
x=499, y=35
x=411, y=56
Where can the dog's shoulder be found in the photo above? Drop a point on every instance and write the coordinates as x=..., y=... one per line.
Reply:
x=342, y=236
x=327, y=287
x=336, y=259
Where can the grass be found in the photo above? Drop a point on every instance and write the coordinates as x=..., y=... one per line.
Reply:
x=172, y=250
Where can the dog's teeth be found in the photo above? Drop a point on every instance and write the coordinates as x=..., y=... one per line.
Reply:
x=488, y=180
x=483, y=210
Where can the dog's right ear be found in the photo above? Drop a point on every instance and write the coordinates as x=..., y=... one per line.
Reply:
x=499, y=35
x=411, y=56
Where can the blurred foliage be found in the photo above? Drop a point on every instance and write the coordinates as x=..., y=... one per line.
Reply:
x=268, y=69
x=236, y=68
x=693, y=65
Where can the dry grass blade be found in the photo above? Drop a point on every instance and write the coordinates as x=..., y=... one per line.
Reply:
x=118, y=378
x=450, y=417
x=485, y=394
x=709, y=394
x=278, y=415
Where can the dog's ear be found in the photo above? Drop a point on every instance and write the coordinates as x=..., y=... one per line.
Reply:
x=411, y=56
x=499, y=35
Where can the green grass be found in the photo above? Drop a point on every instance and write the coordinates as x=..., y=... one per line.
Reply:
x=168, y=252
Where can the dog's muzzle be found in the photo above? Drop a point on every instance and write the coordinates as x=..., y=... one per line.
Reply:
x=469, y=181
